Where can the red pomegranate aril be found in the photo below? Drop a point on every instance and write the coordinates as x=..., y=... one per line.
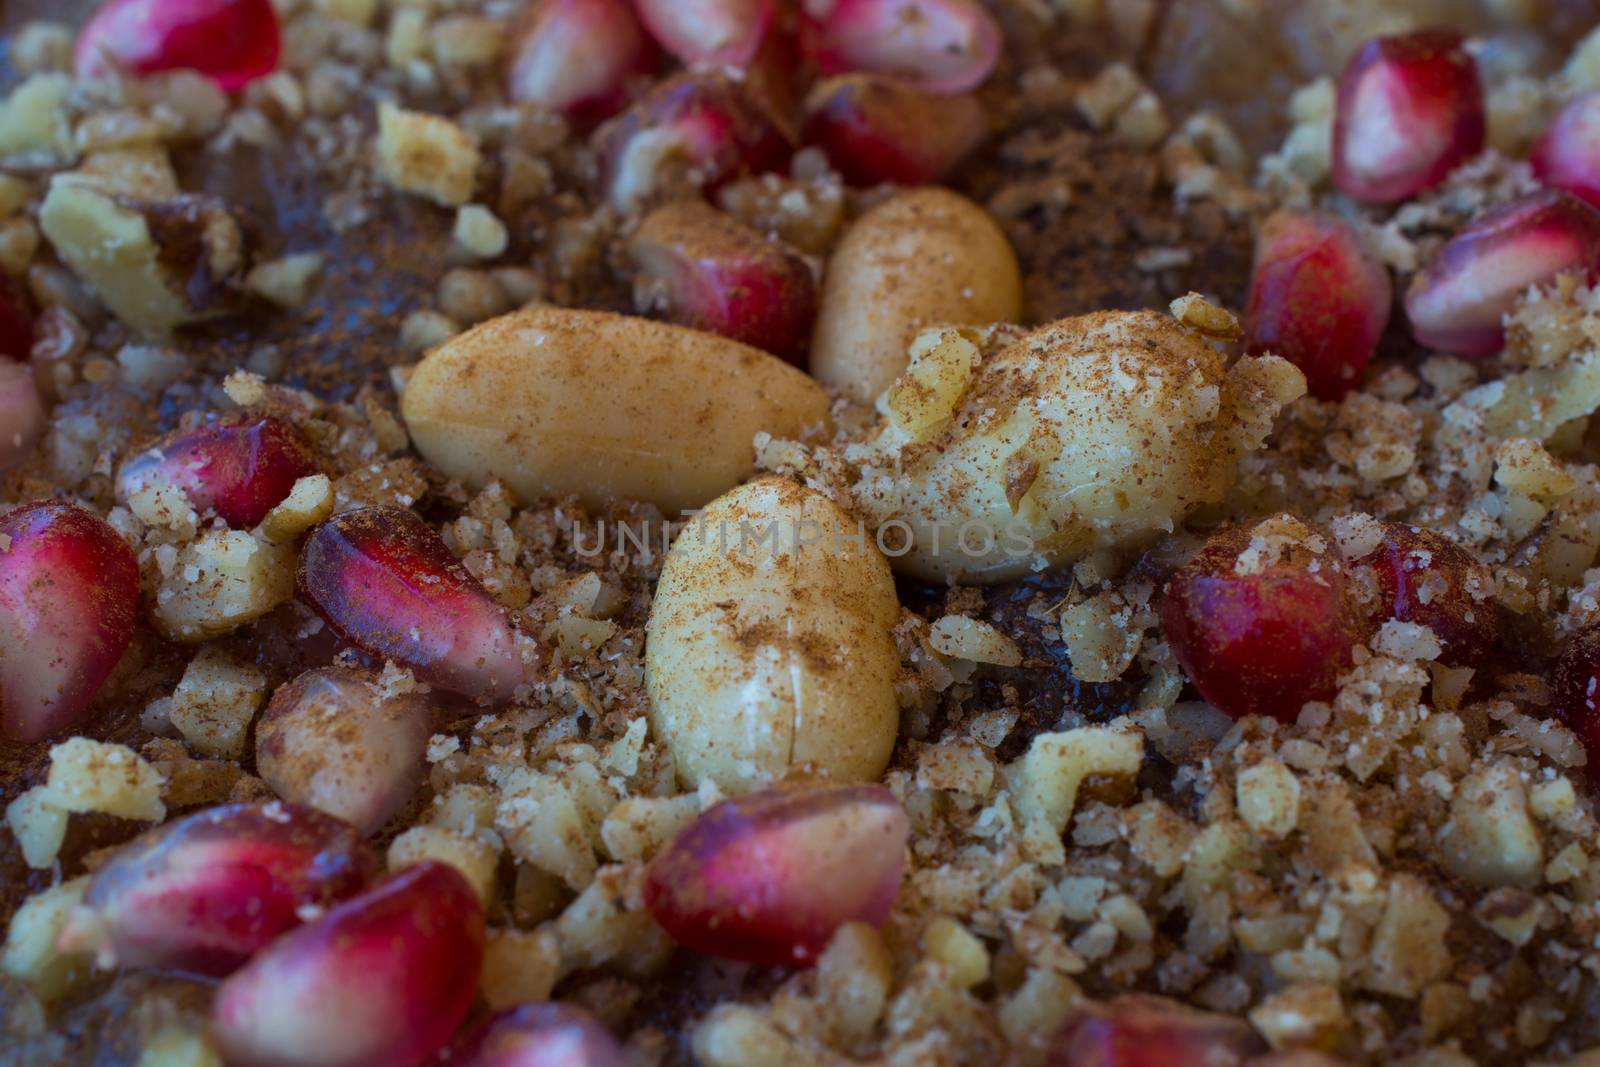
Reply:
x=1318, y=298
x=387, y=583
x=1261, y=620
x=767, y=878
x=16, y=321
x=716, y=33
x=539, y=1035
x=238, y=470
x=944, y=46
x=1425, y=578
x=382, y=980
x=1575, y=687
x=1409, y=111
x=1458, y=303
x=876, y=129
x=1145, y=1031
x=22, y=416
x=1567, y=155
x=205, y=893
x=233, y=42
x=69, y=599
x=579, y=57
x=705, y=269
x=332, y=741
x=706, y=127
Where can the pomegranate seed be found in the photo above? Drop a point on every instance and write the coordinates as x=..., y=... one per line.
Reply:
x=945, y=46
x=331, y=740
x=1409, y=111
x=1459, y=301
x=708, y=270
x=702, y=127
x=1576, y=688
x=382, y=980
x=22, y=418
x=69, y=598
x=1426, y=578
x=877, y=129
x=578, y=57
x=233, y=42
x=1261, y=619
x=715, y=33
x=238, y=470
x=767, y=878
x=1144, y=1031
x=384, y=580
x=1318, y=298
x=205, y=893
x=539, y=1035
x=16, y=321
x=1567, y=156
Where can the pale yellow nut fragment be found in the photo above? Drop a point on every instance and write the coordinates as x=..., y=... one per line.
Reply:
x=519, y=967
x=1101, y=642
x=176, y=1046
x=543, y=825
x=355, y=12
x=1045, y=781
x=927, y=393
x=39, y=826
x=97, y=776
x=223, y=580
x=638, y=827
x=30, y=954
x=426, y=155
x=1491, y=839
x=1200, y=314
x=1268, y=797
x=735, y=1035
x=1408, y=952
x=33, y=120
x=286, y=281
x=1305, y=1014
x=467, y=40
x=110, y=247
x=479, y=232
x=309, y=502
x=854, y=976
x=215, y=702
x=14, y=193
x=1524, y=465
x=960, y=637
x=477, y=860
x=953, y=945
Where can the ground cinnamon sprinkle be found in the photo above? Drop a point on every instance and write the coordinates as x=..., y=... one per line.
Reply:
x=1399, y=868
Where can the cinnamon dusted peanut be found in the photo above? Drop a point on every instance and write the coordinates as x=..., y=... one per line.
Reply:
x=553, y=401
x=923, y=257
x=769, y=643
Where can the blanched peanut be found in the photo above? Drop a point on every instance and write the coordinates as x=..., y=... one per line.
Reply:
x=768, y=657
x=553, y=401
x=1101, y=430
x=925, y=256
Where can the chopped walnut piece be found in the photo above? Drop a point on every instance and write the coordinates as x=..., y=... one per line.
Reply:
x=426, y=155
x=1491, y=840
x=157, y=264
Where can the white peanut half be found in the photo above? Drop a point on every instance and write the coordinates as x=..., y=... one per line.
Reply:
x=766, y=658
x=924, y=256
x=1101, y=430
x=553, y=401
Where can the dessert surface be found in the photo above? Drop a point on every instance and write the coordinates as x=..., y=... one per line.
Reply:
x=1052, y=533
